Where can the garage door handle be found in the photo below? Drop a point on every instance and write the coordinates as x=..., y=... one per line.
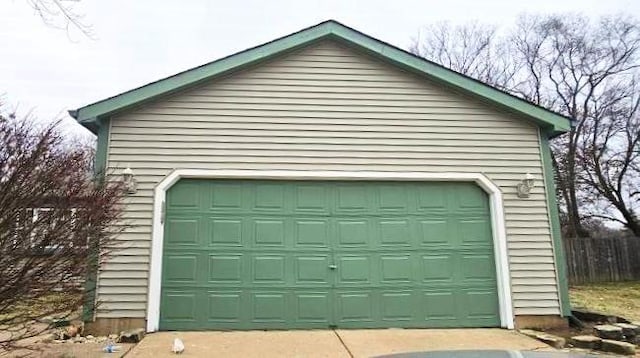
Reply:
x=333, y=267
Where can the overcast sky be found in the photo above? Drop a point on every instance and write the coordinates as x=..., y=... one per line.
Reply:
x=49, y=71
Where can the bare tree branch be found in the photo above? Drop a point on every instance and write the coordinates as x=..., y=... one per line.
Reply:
x=61, y=14
x=580, y=68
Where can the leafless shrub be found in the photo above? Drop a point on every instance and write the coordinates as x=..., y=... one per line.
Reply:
x=56, y=225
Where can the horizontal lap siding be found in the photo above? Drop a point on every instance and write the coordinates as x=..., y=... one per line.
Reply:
x=327, y=107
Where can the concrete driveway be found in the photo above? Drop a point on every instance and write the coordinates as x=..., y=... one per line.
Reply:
x=329, y=343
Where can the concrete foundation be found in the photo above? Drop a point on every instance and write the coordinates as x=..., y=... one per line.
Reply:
x=541, y=322
x=106, y=326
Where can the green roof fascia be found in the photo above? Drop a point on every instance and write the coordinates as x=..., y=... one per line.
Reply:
x=198, y=74
x=553, y=122
x=557, y=123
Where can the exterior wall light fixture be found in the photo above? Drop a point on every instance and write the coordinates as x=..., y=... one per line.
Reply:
x=525, y=186
x=129, y=181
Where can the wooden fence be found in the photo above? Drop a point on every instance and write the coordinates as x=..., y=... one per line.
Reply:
x=602, y=260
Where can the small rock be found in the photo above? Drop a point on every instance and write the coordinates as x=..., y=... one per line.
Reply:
x=53, y=336
x=618, y=347
x=590, y=316
x=586, y=342
x=72, y=331
x=607, y=331
x=132, y=336
x=46, y=320
x=550, y=339
x=629, y=330
x=101, y=339
x=79, y=326
x=79, y=339
x=112, y=336
x=60, y=322
x=178, y=346
x=90, y=336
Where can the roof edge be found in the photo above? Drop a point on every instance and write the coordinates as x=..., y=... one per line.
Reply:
x=552, y=121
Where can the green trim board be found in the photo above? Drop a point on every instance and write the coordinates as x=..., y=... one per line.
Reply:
x=551, y=121
x=558, y=249
x=99, y=169
x=100, y=164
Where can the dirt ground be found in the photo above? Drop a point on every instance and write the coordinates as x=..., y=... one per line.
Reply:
x=68, y=350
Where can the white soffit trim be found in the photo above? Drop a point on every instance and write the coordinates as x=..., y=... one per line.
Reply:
x=495, y=197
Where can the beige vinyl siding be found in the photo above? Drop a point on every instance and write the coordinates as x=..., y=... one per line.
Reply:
x=327, y=107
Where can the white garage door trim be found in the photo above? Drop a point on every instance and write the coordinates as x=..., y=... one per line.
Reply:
x=495, y=199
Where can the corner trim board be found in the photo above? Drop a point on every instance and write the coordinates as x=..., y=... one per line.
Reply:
x=554, y=220
x=495, y=198
x=99, y=168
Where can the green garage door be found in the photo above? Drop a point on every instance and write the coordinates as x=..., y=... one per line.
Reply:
x=303, y=254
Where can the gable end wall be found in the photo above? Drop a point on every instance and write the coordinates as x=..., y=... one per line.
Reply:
x=327, y=107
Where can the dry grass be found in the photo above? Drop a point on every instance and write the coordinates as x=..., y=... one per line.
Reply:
x=617, y=298
x=36, y=307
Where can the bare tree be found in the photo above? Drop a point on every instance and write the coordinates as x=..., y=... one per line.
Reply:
x=57, y=224
x=609, y=156
x=473, y=49
x=60, y=14
x=576, y=67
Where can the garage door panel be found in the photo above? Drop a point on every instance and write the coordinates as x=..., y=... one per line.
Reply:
x=353, y=232
x=470, y=198
x=312, y=270
x=398, y=306
x=225, y=268
x=269, y=232
x=354, y=306
x=312, y=232
x=395, y=232
x=186, y=196
x=225, y=196
x=269, y=307
x=179, y=306
x=278, y=255
x=352, y=199
x=396, y=269
x=268, y=269
x=434, y=231
x=480, y=303
x=440, y=307
x=183, y=231
x=268, y=197
x=478, y=266
x=393, y=199
x=438, y=268
x=226, y=231
x=354, y=270
x=182, y=268
x=310, y=199
x=432, y=198
x=225, y=307
x=472, y=231
x=313, y=307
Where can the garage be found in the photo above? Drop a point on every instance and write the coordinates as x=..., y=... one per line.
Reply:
x=277, y=254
